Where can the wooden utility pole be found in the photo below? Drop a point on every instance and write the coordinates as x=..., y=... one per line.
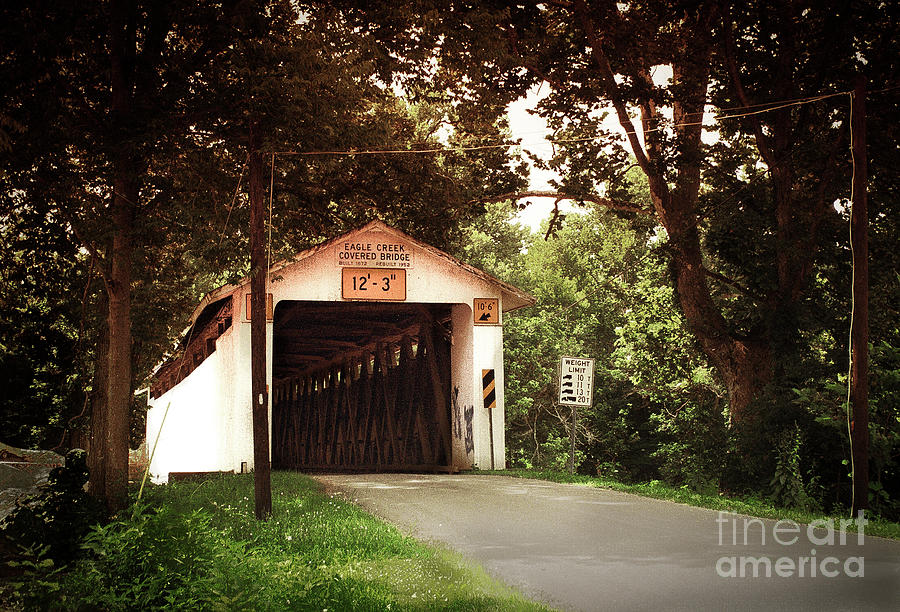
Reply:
x=260, y=395
x=859, y=335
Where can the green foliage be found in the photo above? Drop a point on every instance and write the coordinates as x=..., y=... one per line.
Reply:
x=37, y=579
x=197, y=546
x=51, y=524
x=826, y=455
x=693, y=448
x=787, y=483
x=602, y=291
x=672, y=383
x=575, y=277
x=43, y=361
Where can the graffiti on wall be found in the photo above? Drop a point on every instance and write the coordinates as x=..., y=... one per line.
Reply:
x=462, y=422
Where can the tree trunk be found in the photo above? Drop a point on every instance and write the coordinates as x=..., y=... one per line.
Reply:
x=97, y=450
x=124, y=198
x=745, y=370
x=118, y=406
x=745, y=366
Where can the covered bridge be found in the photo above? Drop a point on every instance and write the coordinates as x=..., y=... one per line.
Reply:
x=383, y=353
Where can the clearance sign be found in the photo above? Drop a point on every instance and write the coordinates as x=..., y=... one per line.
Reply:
x=374, y=253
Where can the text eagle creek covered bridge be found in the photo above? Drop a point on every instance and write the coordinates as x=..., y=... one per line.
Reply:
x=383, y=353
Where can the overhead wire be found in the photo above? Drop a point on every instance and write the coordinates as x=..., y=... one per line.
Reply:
x=237, y=190
x=852, y=313
x=757, y=110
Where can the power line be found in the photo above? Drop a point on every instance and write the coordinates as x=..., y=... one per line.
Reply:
x=758, y=109
x=237, y=190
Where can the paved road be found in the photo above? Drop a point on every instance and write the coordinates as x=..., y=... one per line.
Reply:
x=580, y=548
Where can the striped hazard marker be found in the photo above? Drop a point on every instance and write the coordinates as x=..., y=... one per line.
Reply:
x=490, y=400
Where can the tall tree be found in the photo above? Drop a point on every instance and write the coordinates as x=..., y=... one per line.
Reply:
x=764, y=62
x=133, y=122
x=96, y=143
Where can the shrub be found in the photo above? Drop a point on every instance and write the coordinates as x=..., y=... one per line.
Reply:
x=58, y=516
x=44, y=532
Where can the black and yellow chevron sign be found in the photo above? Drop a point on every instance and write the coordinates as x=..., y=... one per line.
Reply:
x=490, y=401
x=487, y=385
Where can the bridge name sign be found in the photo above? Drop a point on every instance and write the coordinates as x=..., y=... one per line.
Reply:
x=388, y=253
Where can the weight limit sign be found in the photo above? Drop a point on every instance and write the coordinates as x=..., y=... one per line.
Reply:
x=576, y=381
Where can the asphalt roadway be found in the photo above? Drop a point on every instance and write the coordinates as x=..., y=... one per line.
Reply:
x=582, y=548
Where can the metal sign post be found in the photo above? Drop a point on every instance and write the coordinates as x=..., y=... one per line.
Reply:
x=576, y=388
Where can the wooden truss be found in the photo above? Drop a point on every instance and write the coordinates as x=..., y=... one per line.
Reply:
x=377, y=406
x=193, y=350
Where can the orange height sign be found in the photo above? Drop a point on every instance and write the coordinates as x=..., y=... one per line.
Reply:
x=372, y=284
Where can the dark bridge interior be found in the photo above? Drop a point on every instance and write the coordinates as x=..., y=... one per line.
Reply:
x=361, y=386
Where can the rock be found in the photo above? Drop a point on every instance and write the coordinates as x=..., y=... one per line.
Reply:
x=32, y=456
x=22, y=472
x=10, y=497
x=14, y=477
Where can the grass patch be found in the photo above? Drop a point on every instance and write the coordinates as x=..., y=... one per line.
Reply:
x=197, y=546
x=750, y=506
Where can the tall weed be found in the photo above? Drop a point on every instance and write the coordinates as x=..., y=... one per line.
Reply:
x=198, y=546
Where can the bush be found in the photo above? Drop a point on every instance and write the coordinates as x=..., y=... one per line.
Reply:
x=57, y=517
x=692, y=445
x=144, y=561
x=787, y=487
x=43, y=534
